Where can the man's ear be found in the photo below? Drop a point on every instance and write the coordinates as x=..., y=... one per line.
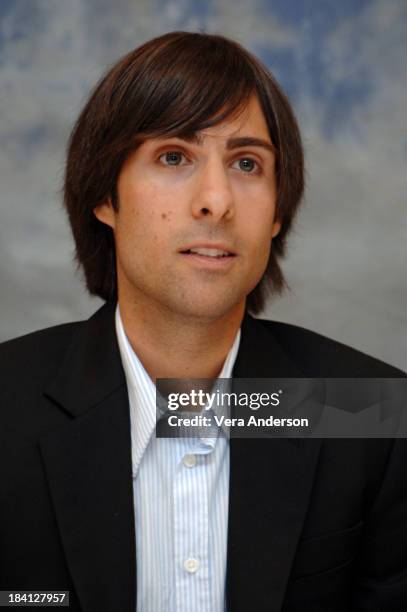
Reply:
x=276, y=228
x=105, y=213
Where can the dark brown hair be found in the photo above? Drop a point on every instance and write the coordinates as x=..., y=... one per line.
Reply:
x=176, y=84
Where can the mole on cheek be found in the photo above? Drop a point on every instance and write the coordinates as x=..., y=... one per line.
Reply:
x=166, y=215
x=163, y=216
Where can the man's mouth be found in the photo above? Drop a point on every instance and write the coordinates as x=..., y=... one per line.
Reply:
x=217, y=253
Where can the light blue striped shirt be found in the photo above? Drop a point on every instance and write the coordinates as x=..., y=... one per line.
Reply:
x=181, y=496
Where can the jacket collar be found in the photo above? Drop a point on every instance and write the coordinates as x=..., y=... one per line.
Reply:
x=261, y=355
x=91, y=369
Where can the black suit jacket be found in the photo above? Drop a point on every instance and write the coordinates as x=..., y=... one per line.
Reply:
x=318, y=526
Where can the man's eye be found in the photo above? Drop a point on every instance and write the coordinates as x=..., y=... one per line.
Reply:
x=247, y=164
x=172, y=158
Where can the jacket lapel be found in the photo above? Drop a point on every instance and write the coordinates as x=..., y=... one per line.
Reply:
x=270, y=485
x=88, y=466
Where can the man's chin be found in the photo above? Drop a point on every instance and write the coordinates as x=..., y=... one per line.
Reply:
x=209, y=311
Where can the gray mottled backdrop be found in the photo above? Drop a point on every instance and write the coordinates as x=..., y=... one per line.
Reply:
x=343, y=66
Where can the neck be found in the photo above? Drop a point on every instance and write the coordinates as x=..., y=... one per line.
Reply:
x=171, y=345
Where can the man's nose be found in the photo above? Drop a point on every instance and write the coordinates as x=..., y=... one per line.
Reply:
x=213, y=197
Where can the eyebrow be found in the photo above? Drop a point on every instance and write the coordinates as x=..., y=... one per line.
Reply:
x=233, y=143
x=250, y=141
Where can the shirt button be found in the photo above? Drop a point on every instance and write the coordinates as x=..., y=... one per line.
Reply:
x=189, y=461
x=191, y=565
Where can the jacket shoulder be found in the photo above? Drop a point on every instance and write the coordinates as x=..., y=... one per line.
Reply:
x=36, y=354
x=320, y=356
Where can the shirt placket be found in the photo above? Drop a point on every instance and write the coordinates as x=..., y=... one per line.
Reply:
x=191, y=531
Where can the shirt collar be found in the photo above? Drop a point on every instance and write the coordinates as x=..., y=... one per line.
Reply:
x=142, y=392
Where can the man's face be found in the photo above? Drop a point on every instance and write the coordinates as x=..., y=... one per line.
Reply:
x=183, y=204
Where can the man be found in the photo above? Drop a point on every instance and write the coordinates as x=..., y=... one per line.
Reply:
x=184, y=173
